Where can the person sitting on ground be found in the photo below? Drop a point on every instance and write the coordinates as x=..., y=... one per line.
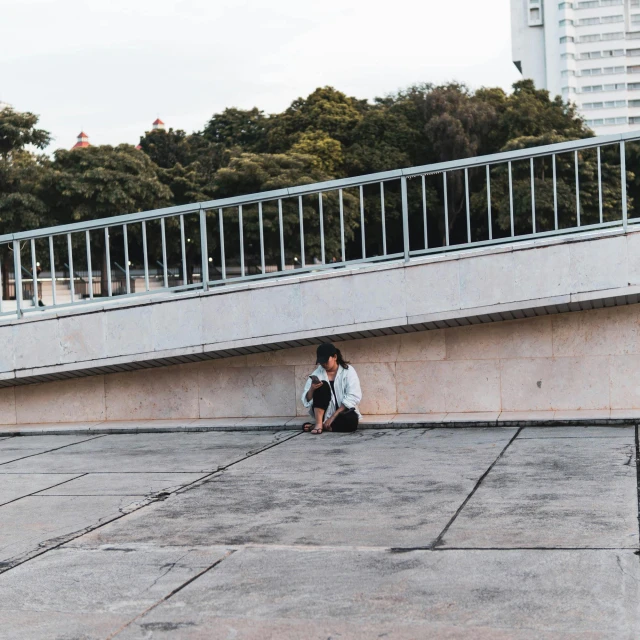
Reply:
x=332, y=393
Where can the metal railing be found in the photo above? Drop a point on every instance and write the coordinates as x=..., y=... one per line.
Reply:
x=393, y=215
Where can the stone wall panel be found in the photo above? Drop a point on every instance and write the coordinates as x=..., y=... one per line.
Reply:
x=76, y=400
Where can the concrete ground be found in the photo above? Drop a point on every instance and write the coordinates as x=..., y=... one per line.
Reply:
x=488, y=533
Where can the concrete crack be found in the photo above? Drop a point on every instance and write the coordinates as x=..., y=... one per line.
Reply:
x=622, y=571
x=170, y=595
x=170, y=568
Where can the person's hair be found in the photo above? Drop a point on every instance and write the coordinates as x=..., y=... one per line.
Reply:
x=341, y=361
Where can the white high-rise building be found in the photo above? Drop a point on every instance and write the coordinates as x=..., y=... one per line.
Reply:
x=587, y=51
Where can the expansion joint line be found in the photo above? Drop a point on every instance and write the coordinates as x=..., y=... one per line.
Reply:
x=170, y=595
x=41, y=453
x=206, y=477
x=439, y=539
x=78, y=534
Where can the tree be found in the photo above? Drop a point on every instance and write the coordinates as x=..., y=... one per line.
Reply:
x=238, y=128
x=326, y=151
x=254, y=173
x=21, y=176
x=101, y=182
x=18, y=130
x=167, y=148
x=326, y=110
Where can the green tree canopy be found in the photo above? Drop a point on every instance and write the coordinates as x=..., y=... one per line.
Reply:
x=238, y=128
x=18, y=130
x=21, y=172
x=104, y=181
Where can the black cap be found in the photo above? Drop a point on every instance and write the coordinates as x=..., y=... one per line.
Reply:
x=324, y=352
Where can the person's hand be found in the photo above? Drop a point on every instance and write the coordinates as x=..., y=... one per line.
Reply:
x=328, y=422
x=316, y=386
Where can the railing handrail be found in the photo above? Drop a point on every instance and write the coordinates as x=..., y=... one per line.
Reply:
x=331, y=185
x=451, y=233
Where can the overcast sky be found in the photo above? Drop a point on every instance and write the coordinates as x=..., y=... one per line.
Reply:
x=111, y=67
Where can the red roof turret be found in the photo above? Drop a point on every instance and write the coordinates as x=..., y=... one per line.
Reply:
x=83, y=141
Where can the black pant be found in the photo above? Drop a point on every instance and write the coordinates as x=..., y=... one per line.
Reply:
x=344, y=421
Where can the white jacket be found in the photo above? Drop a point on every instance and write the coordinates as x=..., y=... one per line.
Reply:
x=347, y=388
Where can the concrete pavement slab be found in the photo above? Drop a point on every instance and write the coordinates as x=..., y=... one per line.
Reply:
x=38, y=522
x=19, y=448
x=95, y=592
x=393, y=488
x=331, y=523
x=52, y=428
x=160, y=452
x=278, y=421
x=364, y=593
x=517, y=417
x=123, y=484
x=555, y=492
x=140, y=425
x=589, y=414
x=18, y=485
x=625, y=414
x=418, y=418
x=627, y=432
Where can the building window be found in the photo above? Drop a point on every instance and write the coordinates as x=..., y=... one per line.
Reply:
x=620, y=86
x=592, y=88
x=634, y=120
x=594, y=37
x=594, y=123
x=634, y=69
x=634, y=103
x=567, y=72
x=635, y=18
x=615, y=121
x=591, y=55
x=534, y=15
x=593, y=105
x=588, y=4
x=584, y=22
x=565, y=5
x=611, y=19
x=611, y=3
x=566, y=23
x=612, y=53
x=632, y=53
x=608, y=71
x=633, y=86
x=566, y=39
x=634, y=35
x=613, y=36
x=568, y=56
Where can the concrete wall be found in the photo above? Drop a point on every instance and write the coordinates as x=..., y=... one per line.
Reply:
x=556, y=272
x=572, y=361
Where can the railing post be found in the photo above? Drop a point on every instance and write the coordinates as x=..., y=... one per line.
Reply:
x=623, y=184
x=204, y=250
x=405, y=217
x=17, y=267
x=34, y=272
